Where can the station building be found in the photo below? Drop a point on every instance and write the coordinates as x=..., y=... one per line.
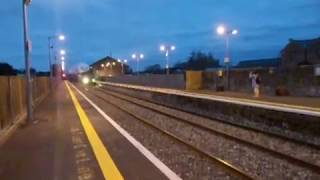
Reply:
x=107, y=67
x=301, y=52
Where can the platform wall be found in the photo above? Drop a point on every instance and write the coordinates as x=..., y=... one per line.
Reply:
x=13, y=97
x=296, y=126
x=300, y=82
x=174, y=81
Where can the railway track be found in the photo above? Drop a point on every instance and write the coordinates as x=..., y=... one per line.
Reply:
x=293, y=160
x=271, y=134
x=229, y=168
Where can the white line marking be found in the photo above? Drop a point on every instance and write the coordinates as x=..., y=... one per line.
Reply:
x=154, y=160
x=266, y=105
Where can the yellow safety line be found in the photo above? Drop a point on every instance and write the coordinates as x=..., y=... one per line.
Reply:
x=107, y=166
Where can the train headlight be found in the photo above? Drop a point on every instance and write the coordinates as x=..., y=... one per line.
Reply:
x=85, y=80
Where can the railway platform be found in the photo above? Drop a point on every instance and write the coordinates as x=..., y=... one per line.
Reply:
x=290, y=101
x=71, y=139
x=119, y=131
x=290, y=117
x=300, y=105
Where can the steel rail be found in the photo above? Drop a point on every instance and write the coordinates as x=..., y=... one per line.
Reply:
x=221, y=163
x=277, y=154
x=274, y=135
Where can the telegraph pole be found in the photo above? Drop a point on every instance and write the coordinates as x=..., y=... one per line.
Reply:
x=27, y=50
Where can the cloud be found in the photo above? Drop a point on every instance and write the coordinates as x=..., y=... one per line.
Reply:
x=94, y=27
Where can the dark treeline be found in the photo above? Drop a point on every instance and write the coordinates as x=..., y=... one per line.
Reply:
x=196, y=61
x=7, y=70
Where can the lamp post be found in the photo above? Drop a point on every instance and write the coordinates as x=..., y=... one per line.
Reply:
x=27, y=51
x=223, y=31
x=62, y=54
x=50, y=46
x=167, y=49
x=63, y=64
x=138, y=57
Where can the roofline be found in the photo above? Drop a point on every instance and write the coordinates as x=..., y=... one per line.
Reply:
x=103, y=59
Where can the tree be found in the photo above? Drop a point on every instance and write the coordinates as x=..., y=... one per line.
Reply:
x=154, y=69
x=7, y=69
x=181, y=65
x=33, y=71
x=43, y=73
x=127, y=69
x=198, y=61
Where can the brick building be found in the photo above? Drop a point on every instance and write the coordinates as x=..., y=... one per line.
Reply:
x=108, y=67
x=300, y=52
x=258, y=63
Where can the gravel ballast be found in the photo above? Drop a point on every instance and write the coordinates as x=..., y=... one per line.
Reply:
x=187, y=163
x=257, y=163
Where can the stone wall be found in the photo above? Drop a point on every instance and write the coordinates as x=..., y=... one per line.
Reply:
x=174, y=81
x=299, y=82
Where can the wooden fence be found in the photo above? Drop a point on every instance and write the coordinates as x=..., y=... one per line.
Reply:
x=13, y=97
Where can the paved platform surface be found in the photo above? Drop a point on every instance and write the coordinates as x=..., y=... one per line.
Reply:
x=298, y=105
x=291, y=100
x=60, y=147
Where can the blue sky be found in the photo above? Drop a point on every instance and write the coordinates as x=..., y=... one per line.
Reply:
x=94, y=28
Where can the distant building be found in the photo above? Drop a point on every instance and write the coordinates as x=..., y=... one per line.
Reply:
x=258, y=64
x=107, y=67
x=300, y=52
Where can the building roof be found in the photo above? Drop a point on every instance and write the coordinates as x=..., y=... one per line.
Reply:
x=259, y=63
x=304, y=43
x=103, y=60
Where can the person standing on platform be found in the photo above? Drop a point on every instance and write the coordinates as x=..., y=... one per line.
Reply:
x=255, y=82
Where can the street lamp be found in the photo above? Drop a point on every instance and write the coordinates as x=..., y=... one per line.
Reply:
x=27, y=51
x=61, y=37
x=223, y=31
x=50, y=46
x=167, y=49
x=138, y=57
x=62, y=52
x=63, y=66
